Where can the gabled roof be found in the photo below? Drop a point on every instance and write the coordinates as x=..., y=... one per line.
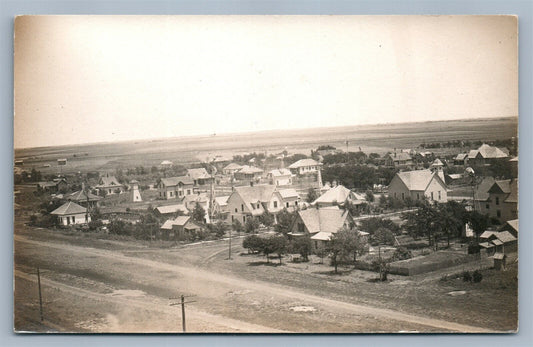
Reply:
x=245, y=169
x=505, y=187
x=81, y=196
x=337, y=194
x=222, y=200
x=418, y=180
x=513, y=224
x=482, y=190
x=487, y=152
x=260, y=192
x=304, y=163
x=288, y=193
x=280, y=172
x=461, y=156
x=174, y=181
x=232, y=166
x=487, y=234
x=179, y=221
x=437, y=163
x=172, y=209
x=323, y=220
x=200, y=173
x=400, y=156
x=108, y=181
x=505, y=236
x=69, y=208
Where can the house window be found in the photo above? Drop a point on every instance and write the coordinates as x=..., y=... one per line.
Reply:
x=498, y=213
x=171, y=194
x=287, y=204
x=403, y=196
x=68, y=220
x=296, y=203
x=188, y=192
x=180, y=193
x=316, y=244
x=86, y=217
x=417, y=196
x=439, y=194
x=232, y=218
x=394, y=194
x=487, y=206
x=73, y=220
x=431, y=195
x=301, y=227
x=497, y=200
x=242, y=207
x=243, y=219
x=275, y=204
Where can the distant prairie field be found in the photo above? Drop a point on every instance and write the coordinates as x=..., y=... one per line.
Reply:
x=378, y=138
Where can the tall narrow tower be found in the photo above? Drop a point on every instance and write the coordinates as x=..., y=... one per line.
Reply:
x=135, y=190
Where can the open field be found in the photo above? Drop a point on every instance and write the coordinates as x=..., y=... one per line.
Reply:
x=370, y=138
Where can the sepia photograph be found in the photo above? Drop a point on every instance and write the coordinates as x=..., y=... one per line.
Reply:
x=265, y=174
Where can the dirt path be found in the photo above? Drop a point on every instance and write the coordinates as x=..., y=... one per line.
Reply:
x=266, y=289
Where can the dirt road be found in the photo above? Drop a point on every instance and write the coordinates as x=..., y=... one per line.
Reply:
x=132, y=294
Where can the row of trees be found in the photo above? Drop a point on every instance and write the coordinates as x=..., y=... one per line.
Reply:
x=358, y=176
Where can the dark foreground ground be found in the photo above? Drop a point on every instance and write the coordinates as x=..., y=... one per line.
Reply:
x=95, y=285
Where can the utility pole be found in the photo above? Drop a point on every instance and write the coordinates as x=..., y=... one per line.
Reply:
x=182, y=303
x=40, y=296
x=229, y=250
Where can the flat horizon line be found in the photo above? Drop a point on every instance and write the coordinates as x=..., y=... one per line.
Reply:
x=242, y=133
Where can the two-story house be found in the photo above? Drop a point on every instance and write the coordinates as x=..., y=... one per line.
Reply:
x=175, y=187
x=280, y=177
x=502, y=203
x=251, y=201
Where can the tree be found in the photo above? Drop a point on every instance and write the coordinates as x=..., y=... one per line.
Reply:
x=236, y=225
x=369, y=196
x=268, y=247
x=382, y=236
x=253, y=243
x=251, y=225
x=279, y=245
x=302, y=246
x=353, y=243
x=335, y=247
x=311, y=195
x=154, y=169
x=285, y=219
x=198, y=213
x=478, y=222
x=267, y=219
x=426, y=221
x=370, y=225
x=219, y=228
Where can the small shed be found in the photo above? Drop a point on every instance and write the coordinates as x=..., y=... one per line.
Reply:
x=500, y=260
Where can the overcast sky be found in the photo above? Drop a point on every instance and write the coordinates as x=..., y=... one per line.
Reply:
x=81, y=79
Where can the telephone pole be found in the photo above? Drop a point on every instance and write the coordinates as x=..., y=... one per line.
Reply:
x=182, y=303
x=229, y=250
x=40, y=296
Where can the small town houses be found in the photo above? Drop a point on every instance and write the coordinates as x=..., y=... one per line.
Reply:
x=280, y=177
x=247, y=172
x=338, y=195
x=200, y=176
x=231, y=169
x=71, y=213
x=108, y=185
x=251, y=201
x=486, y=155
x=320, y=224
x=418, y=184
x=175, y=187
x=179, y=228
x=305, y=166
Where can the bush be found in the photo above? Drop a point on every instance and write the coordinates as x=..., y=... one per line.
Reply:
x=467, y=277
x=473, y=248
x=253, y=243
x=401, y=253
x=477, y=276
x=95, y=224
